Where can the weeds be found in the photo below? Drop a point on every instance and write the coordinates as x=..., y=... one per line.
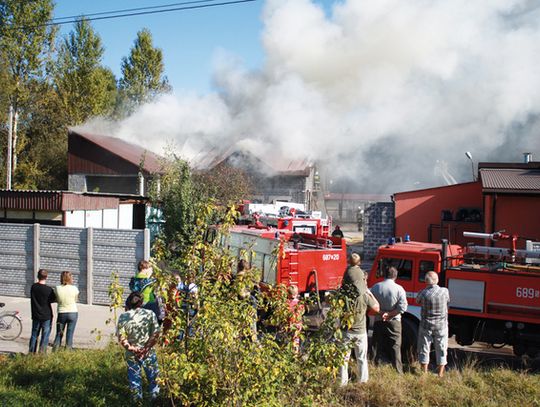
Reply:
x=98, y=378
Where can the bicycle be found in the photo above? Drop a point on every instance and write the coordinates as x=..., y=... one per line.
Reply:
x=10, y=324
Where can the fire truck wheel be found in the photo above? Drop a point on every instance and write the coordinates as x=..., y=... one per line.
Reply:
x=409, y=335
x=519, y=349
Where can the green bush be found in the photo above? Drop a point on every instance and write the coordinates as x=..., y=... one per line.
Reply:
x=224, y=362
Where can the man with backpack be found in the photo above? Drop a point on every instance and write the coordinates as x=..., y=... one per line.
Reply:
x=144, y=283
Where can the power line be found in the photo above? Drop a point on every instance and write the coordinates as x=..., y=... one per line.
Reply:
x=127, y=10
x=140, y=13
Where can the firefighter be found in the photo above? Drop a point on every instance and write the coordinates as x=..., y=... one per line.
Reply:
x=337, y=232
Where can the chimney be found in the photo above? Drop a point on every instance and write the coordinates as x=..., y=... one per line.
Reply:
x=527, y=157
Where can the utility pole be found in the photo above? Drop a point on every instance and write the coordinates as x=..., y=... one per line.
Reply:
x=9, y=148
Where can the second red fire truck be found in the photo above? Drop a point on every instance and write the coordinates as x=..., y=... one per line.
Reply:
x=494, y=291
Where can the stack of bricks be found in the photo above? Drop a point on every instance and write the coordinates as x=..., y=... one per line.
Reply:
x=378, y=226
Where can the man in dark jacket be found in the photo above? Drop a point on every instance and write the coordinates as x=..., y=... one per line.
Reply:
x=41, y=297
x=337, y=232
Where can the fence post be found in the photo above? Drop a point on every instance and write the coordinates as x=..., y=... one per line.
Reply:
x=36, y=250
x=146, y=244
x=89, y=266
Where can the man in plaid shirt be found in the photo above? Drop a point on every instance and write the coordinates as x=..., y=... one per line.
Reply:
x=434, y=324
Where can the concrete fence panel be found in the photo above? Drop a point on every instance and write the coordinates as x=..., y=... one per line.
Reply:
x=16, y=259
x=90, y=254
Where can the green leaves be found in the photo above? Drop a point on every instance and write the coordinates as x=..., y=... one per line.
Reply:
x=225, y=361
x=142, y=74
x=85, y=87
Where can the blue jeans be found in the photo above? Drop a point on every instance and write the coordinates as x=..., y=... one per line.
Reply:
x=150, y=366
x=63, y=319
x=45, y=328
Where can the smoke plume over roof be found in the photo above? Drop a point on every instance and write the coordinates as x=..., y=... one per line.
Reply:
x=384, y=92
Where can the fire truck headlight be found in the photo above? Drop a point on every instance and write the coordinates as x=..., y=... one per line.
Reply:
x=508, y=325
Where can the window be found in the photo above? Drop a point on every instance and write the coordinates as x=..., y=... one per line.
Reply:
x=424, y=267
x=403, y=266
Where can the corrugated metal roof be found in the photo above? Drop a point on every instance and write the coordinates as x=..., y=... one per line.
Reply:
x=31, y=200
x=510, y=180
x=276, y=165
x=132, y=153
x=56, y=201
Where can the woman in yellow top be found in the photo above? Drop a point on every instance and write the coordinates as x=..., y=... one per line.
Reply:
x=66, y=296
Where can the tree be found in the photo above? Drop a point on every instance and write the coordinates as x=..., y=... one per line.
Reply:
x=225, y=183
x=43, y=163
x=25, y=43
x=217, y=357
x=142, y=73
x=179, y=202
x=85, y=87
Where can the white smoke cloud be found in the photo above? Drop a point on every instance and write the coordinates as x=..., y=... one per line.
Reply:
x=381, y=91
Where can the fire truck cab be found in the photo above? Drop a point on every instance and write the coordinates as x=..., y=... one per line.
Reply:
x=412, y=260
x=493, y=298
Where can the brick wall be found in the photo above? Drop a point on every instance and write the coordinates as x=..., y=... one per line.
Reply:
x=26, y=248
x=378, y=226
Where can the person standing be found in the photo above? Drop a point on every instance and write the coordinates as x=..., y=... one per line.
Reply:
x=296, y=309
x=434, y=323
x=41, y=297
x=354, y=279
x=138, y=331
x=144, y=283
x=337, y=232
x=67, y=296
x=387, y=327
x=360, y=301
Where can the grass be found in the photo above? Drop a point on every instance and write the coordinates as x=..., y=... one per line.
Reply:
x=98, y=378
x=66, y=378
x=468, y=386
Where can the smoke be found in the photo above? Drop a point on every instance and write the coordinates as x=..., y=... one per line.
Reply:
x=381, y=93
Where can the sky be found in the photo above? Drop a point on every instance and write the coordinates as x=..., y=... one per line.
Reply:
x=387, y=95
x=191, y=40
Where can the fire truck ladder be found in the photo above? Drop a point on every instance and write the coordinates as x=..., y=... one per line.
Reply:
x=290, y=267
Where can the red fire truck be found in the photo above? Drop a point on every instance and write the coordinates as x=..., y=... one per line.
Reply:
x=494, y=291
x=312, y=262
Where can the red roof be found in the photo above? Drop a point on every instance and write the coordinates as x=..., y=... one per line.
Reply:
x=132, y=153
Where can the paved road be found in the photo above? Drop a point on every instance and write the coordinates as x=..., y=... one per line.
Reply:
x=92, y=319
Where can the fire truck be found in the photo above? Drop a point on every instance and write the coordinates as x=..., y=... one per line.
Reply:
x=285, y=215
x=313, y=263
x=494, y=291
x=290, y=247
